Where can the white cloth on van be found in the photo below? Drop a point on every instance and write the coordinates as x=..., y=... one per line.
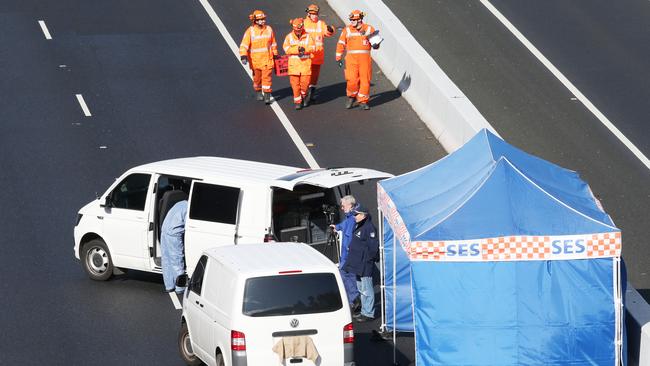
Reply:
x=296, y=346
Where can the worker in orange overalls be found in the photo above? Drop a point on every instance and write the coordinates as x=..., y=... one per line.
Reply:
x=319, y=30
x=300, y=47
x=258, y=48
x=358, y=64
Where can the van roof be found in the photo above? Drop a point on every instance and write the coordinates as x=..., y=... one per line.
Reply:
x=206, y=167
x=235, y=170
x=271, y=258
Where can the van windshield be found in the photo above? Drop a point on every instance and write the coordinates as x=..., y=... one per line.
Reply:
x=307, y=293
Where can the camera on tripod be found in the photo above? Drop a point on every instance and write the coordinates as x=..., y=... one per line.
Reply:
x=330, y=212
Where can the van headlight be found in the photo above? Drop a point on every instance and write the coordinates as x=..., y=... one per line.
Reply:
x=79, y=216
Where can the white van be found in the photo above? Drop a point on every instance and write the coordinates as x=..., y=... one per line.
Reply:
x=230, y=202
x=244, y=301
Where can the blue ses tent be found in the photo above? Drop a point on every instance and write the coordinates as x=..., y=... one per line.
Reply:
x=493, y=256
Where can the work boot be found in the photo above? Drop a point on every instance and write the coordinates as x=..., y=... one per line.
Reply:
x=349, y=103
x=311, y=94
x=259, y=96
x=267, y=98
x=365, y=106
x=298, y=106
x=305, y=101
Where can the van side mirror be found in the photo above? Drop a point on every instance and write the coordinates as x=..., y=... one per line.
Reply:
x=108, y=202
x=181, y=281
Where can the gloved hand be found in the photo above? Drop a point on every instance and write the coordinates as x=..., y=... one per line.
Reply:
x=340, y=63
x=375, y=47
x=244, y=60
x=301, y=50
x=275, y=57
x=330, y=29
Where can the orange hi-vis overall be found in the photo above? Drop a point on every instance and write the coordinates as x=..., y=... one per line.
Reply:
x=358, y=64
x=259, y=46
x=319, y=31
x=299, y=66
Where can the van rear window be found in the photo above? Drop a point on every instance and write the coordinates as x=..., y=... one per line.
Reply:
x=307, y=293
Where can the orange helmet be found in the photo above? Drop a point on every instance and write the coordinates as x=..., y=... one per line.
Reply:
x=257, y=15
x=356, y=15
x=297, y=23
x=312, y=9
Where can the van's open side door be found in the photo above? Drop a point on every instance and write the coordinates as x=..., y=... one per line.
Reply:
x=212, y=219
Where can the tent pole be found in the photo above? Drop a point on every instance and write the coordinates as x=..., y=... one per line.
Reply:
x=394, y=303
x=382, y=272
x=618, y=311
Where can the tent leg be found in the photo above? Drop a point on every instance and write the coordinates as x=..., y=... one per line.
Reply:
x=394, y=303
x=382, y=271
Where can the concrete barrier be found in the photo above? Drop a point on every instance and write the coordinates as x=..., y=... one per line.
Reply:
x=443, y=107
x=453, y=119
x=637, y=322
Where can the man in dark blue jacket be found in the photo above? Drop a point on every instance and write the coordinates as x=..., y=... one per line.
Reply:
x=362, y=254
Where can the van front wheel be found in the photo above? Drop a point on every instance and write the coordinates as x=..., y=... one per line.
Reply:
x=185, y=347
x=97, y=260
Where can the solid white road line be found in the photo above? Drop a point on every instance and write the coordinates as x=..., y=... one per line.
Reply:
x=601, y=117
x=84, y=107
x=174, y=297
x=44, y=29
x=274, y=106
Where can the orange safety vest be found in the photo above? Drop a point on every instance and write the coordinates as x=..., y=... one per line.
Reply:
x=354, y=41
x=259, y=46
x=299, y=65
x=319, y=31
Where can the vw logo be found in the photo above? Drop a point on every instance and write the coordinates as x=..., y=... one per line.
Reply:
x=294, y=323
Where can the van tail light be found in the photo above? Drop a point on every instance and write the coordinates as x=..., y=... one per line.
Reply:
x=268, y=238
x=348, y=333
x=237, y=341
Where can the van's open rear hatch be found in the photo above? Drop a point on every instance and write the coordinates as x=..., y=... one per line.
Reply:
x=328, y=178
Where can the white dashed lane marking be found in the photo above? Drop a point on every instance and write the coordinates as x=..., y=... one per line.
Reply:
x=174, y=297
x=46, y=32
x=84, y=107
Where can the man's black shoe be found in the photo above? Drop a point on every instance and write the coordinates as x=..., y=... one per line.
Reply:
x=362, y=318
x=259, y=96
x=267, y=98
x=298, y=106
x=305, y=101
x=356, y=305
x=365, y=106
x=168, y=291
x=349, y=103
x=312, y=94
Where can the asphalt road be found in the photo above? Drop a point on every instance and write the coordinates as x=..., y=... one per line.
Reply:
x=601, y=46
x=159, y=82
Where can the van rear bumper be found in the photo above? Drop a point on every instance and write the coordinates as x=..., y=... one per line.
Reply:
x=348, y=354
x=239, y=358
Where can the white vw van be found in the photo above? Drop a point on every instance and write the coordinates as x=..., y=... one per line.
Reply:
x=244, y=302
x=230, y=202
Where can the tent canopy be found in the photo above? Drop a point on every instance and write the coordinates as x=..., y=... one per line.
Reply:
x=494, y=250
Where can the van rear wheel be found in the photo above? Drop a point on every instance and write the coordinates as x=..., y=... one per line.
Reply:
x=96, y=260
x=220, y=361
x=185, y=347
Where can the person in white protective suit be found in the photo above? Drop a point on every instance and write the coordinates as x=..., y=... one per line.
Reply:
x=172, y=245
